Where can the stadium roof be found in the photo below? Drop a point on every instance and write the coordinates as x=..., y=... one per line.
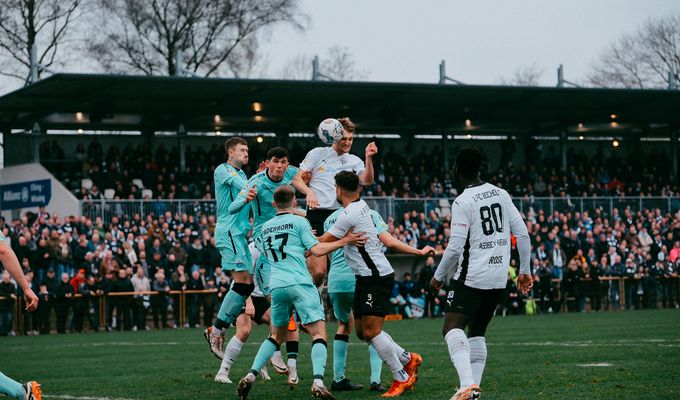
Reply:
x=149, y=104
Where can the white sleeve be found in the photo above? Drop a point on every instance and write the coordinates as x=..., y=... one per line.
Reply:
x=342, y=225
x=360, y=166
x=519, y=229
x=311, y=159
x=460, y=226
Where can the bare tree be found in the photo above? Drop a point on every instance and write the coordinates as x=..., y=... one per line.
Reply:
x=643, y=59
x=27, y=23
x=525, y=75
x=216, y=37
x=337, y=64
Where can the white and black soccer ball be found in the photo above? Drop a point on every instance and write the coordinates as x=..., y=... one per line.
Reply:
x=330, y=131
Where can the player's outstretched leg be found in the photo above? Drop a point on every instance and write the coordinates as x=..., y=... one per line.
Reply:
x=267, y=349
x=459, y=350
x=243, y=329
x=15, y=390
x=229, y=311
x=410, y=360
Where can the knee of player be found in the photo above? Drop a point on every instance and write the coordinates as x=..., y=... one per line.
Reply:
x=344, y=328
x=244, y=289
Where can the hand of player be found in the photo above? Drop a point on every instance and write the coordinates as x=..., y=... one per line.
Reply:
x=31, y=300
x=436, y=284
x=524, y=283
x=252, y=193
x=306, y=177
x=312, y=201
x=261, y=167
x=250, y=309
x=371, y=150
x=357, y=239
x=427, y=250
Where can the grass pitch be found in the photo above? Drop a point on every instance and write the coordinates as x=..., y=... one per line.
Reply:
x=614, y=355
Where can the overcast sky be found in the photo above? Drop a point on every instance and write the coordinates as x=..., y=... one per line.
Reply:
x=481, y=41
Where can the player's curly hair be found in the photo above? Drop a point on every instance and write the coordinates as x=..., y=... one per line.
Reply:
x=347, y=181
x=469, y=162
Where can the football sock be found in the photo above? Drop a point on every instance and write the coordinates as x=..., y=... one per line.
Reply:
x=231, y=308
x=319, y=356
x=267, y=349
x=292, y=353
x=459, y=350
x=477, y=357
x=339, y=356
x=231, y=353
x=385, y=349
x=404, y=356
x=11, y=388
x=376, y=364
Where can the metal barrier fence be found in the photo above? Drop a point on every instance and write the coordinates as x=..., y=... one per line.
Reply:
x=180, y=312
x=386, y=206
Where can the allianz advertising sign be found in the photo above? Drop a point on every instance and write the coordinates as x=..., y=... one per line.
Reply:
x=25, y=194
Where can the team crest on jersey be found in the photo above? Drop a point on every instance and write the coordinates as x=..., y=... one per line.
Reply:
x=322, y=169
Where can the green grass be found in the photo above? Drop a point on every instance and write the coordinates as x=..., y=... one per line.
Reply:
x=529, y=358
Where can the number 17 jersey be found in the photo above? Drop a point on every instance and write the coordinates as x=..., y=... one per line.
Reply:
x=484, y=216
x=285, y=239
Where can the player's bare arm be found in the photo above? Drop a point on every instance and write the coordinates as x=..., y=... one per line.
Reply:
x=352, y=238
x=11, y=263
x=366, y=176
x=302, y=187
x=397, y=245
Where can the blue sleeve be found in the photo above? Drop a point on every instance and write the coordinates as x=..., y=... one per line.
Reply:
x=379, y=223
x=306, y=235
x=240, y=200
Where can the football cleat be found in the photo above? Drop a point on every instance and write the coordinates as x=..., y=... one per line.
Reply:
x=216, y=342
x=471, y=392
x=32, y=391
x=412, y=367
x=292, y=378
x=321, y=392
x=345, y=386
x=398, y=388
x=223, y=377
x=243, y=388
x=280, y=367
x=376, y=387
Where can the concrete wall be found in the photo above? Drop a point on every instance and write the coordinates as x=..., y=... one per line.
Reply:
x=62, y=201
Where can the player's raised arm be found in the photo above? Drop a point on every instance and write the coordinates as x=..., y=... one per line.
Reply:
x=323, y=248
x=245, y=196
x=460, y=226
x=397, y=245
x=301, y=184
x=11, y=263
x=519, y=229
x=366, y=177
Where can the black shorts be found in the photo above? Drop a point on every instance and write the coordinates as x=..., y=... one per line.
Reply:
x=317, y=217
x=261, y=306
x=477, y=304
x=372, y=296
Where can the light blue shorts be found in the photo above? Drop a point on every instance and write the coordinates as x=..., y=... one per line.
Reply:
x=342, y=305
x=304, y=299
x=236, y=255
x=263, y=271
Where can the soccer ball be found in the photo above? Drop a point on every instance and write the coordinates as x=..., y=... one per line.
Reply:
x=330, y=131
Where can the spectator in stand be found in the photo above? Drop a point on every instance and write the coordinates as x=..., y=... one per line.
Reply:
x=159, y=302
x=141, y=286
x=8, y=295
x=194, y=300
x=63, y=302
x=121, y=303
x=429, y=293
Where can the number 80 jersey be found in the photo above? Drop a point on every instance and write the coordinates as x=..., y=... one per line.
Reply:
x=484, y=216
x=285, y=239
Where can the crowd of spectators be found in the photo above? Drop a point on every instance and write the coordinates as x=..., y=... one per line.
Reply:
x=72, y=262
x=407, y=174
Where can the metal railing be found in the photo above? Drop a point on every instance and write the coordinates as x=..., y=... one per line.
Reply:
x=386, y=206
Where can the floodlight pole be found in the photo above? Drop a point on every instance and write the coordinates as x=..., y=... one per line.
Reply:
x=35, y=67
x=442, y=75
x=561, y=82
x=672, y=84
x=179, y=66
x=317, y=75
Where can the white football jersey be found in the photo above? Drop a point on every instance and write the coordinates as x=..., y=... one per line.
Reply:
x=324, y=163
x=484, y=216
x=369, y=259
